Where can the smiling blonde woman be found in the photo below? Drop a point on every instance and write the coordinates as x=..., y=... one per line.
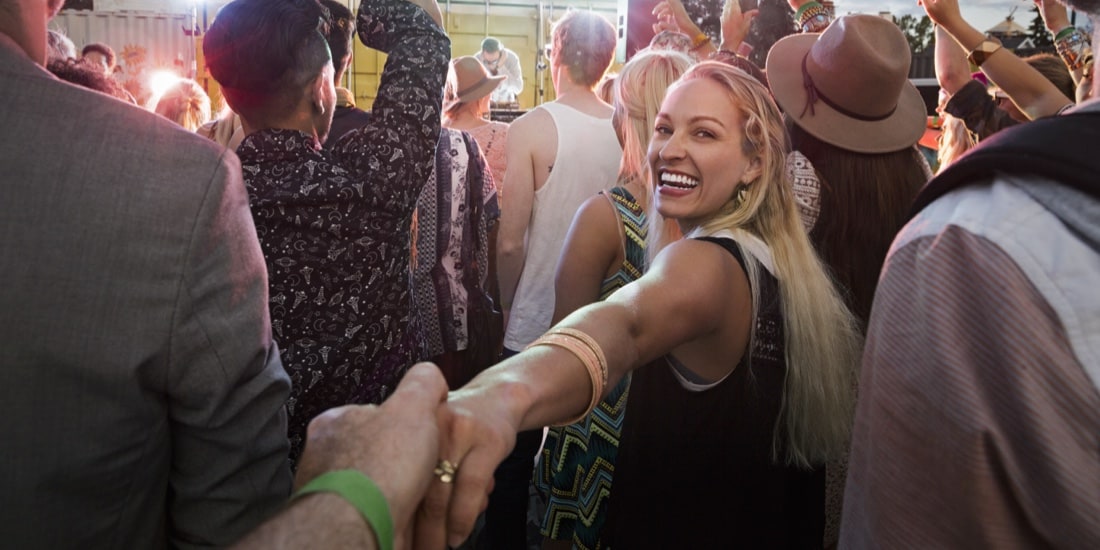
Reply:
x=748, y=351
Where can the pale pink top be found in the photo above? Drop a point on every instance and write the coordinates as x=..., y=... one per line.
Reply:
x=491, y=138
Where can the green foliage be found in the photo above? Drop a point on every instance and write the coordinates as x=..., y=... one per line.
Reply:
x=1037, y=31
x=919, y=32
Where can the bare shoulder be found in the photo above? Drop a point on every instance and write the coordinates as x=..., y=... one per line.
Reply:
x=597, y=218
x=530, y=124
x=699, y=264
x=532, y=140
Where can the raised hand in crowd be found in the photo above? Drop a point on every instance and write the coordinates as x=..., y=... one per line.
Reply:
x=673, y=16
x=1054, y=14
x=735, y=25
x=1029, y=90
x=394, y=444
x=1056, y=19
x=666, y=22
x=952, y=68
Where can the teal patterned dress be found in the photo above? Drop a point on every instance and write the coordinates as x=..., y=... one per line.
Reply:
x=577, y=462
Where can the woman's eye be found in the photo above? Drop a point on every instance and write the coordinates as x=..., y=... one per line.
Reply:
x=663, y=130
x=704, y=133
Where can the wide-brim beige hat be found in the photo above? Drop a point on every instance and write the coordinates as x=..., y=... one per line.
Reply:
x=470, y=81
x=849, y=85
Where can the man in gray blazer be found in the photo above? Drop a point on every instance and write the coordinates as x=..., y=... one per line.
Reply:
x=141, y=395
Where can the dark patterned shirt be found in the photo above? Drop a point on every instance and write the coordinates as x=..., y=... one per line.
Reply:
x=335, y=225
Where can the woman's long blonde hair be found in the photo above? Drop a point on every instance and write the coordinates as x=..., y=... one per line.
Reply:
x=637, y=94
x=955, y=140
x=823, y=343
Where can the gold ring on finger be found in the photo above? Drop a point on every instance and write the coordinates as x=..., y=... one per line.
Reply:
x=446, y=470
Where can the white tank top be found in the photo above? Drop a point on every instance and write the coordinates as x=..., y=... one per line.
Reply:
x=586, y=163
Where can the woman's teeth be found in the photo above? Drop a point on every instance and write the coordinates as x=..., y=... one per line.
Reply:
x=678, y=180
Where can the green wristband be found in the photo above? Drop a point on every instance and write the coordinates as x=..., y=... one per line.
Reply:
x=1064, y=32
x=358, y=489
x=806, y=7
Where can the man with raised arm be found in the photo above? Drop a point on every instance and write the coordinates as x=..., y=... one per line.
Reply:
x=334, y=224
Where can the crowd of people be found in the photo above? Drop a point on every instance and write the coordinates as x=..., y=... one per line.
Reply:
x=697, y=303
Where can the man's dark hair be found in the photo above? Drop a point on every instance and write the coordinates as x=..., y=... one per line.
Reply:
x=87, y=76
x=263, y=53
x=490, y=45
x=104, y=50
x=340, y=33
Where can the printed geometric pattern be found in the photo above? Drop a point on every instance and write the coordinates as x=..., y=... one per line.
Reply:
x=578, y=461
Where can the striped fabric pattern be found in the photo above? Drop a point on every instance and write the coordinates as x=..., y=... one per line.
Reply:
x=977, y=426
x=577, y=462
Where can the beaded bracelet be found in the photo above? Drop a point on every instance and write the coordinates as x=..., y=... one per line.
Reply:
x=700, y=40
x=361, y=492
x=812, y=17
x=1074, y=49
x=806, y=7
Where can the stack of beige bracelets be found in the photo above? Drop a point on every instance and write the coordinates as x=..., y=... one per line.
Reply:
x=590, y=354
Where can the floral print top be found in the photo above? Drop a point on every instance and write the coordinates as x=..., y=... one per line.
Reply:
x=334, y=225
x=449, y=241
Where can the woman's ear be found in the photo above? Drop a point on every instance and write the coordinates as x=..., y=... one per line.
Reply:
x=753, y=171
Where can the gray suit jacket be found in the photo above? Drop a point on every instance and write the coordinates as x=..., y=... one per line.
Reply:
x=141, y=395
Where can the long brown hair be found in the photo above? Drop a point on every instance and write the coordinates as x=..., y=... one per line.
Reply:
x=865, y=198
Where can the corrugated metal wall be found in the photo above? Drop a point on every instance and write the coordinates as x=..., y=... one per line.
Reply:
x=143, y=41
x=515, y=22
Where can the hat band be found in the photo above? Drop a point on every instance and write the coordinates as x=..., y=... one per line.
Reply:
x=813, y=94
x=469, y=89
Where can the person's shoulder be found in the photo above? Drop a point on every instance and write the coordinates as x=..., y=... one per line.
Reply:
x=533, y=122
x=157, y=153
x=136, y=136
x=694, y=254
x=162, y=141
x=598, y=211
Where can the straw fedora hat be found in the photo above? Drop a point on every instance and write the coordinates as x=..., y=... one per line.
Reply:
x=849, y=85
x=469, y=81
